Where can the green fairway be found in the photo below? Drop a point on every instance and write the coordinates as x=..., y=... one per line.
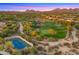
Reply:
x=58, y=33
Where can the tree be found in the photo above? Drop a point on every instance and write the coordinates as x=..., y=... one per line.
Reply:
x=77, y=26
x=33, y=33
x=1, y=40
x=1, y=47
x=1, y=43
x=8, y=44
x=27, y=27
x=51, y=31
x=10, y=29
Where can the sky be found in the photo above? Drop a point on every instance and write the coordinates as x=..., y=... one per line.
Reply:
x=35, y=6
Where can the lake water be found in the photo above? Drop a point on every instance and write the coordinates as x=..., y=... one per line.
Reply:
x=19, y=44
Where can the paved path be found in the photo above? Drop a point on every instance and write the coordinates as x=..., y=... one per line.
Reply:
x=9, y=38
x=62, y=41
x=74, y=37
x=4, y=53
x=21, y=28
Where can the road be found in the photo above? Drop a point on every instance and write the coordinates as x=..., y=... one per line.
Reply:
x=21, y=28
x=74, y=37
x=62, y=41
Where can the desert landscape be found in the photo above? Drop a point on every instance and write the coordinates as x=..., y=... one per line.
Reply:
x=40, y=32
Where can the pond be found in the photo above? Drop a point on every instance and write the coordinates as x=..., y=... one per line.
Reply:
x=19, y=44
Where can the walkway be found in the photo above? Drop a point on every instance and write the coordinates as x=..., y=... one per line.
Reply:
x=62, y=41
x=9, y=38
x=4, y=53
x=21, y=28
x=74, y=37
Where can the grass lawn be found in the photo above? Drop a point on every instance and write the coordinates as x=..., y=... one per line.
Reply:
x=60, y=30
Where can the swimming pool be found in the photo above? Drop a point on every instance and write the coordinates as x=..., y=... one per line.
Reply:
x=19, y=44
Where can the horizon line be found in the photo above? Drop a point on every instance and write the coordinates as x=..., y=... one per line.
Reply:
x=37, y=10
